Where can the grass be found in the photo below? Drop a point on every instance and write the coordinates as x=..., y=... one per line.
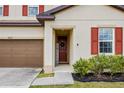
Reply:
x=42, y=75
x=78, y=84
x=86, y=85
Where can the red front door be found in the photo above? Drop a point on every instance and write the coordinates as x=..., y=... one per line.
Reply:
x=62, y=41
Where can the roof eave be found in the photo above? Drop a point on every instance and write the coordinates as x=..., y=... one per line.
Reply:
x=45, y=17
x=56, y=9
x=120, y=7
x=20, y=24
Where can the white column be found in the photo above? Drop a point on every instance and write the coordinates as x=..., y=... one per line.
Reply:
x=48, y=66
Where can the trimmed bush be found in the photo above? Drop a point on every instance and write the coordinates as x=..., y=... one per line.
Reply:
x=116, y=64
x=98, y=64
x=81, y=67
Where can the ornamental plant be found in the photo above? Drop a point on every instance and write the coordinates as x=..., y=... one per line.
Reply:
x=81, y=67
x=99, y=64
x=116, y=64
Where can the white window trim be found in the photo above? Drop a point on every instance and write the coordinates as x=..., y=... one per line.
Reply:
x=113, y=42
x=33, y=6
x=2, y=10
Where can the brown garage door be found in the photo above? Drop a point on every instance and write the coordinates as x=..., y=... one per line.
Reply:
x=21, y=53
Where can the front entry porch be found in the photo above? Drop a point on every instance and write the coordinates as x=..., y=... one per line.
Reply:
x=58, y=49
x=63, y=68
x=62, y=48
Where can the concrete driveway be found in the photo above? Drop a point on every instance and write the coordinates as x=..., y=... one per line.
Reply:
x=18, y=77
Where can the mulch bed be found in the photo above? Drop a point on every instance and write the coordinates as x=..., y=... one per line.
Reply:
x=105, y=77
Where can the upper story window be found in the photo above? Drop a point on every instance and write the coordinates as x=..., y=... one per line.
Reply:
x=1, y=10
x=33, y=10
x=106, y=40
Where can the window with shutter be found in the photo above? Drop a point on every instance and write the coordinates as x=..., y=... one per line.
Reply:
x=106, y=40
x=4, y=10
x=32, y=10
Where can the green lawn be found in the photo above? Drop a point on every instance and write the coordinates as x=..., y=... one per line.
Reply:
x=86, y=85
x=78, y=84
x=42, y=75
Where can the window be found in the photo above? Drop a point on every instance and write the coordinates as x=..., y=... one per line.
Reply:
x=1, y=10
x=33, y=10
x=106, y=39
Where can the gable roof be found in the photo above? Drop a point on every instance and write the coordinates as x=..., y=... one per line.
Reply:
x=49, y=15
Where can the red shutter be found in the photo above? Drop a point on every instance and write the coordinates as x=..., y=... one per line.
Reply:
x=41, y=8
x=6, y=10
x=118, y=40
x=24, y=10
x=94, y=40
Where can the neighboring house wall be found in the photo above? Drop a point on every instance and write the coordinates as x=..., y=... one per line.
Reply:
x=21, y=39
x=15, y=13
x=81, y=19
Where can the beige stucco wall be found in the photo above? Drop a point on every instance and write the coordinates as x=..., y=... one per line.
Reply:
x=81, y=19
x=48, y=7
x=21, y=33
x=90, y=13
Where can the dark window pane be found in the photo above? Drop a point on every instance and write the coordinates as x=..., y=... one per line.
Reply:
x=109, y=50
x=101, y=50
x=105, y=47
x=101, y=44
x=105, y=50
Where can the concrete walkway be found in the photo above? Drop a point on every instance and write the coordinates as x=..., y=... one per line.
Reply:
x=60, y=78
x=17, y=77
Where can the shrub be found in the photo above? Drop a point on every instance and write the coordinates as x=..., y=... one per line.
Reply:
x=81, y=67
x=98, y=64
x=122, y=64
x=116, y=64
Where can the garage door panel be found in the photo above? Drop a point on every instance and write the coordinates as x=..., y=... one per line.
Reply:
x=4, y=61
x=21, y=53
x=5, y=50
x=19, y=63
x=5, y=58
x=33, y=64
x=18, y=52
x=33, y=54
